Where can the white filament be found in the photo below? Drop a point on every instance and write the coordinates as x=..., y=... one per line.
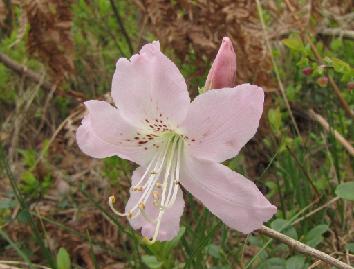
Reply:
x=165, y=163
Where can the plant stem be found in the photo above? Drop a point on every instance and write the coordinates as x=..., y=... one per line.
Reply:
x=121, y=25
x=322, y=121
x=303, y=248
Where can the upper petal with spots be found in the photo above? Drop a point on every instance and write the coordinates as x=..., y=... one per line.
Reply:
x=105, y=133
x=149, y=87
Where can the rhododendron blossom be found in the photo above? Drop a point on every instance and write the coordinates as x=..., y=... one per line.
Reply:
x=176, y=143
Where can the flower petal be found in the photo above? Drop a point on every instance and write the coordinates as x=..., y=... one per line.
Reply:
x=220, y=122
x=228, y=195
x=150, y=87
x=105, y=133
x=170, y=221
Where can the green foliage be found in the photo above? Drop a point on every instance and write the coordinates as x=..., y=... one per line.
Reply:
x=162, y=252
x=273, y=263
x=63, y=259
x=296, y=262
x=274, y=118
x=350, y=247
x=31, y=184
x=315, y=236
x=151, y=262
x=341, y=67
x=115, y=168
x=346, y=190
x=283, y=226
x=294, y=43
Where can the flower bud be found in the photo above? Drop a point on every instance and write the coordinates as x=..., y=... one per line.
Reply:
x=322, y=81
x=307, y=71
x=223, y=70
x=350, y=85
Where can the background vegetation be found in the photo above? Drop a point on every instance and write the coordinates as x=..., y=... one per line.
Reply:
x=53, y=199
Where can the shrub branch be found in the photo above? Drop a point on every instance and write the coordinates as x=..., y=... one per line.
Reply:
x=303, y=248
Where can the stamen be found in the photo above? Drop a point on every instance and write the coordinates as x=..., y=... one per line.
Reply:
x=163, y=193
x=157, y=228
x=148, y=186
x=146, y=171
x=111, y=201
x=177, y=170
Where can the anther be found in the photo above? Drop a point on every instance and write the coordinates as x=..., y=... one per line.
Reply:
x=141, y=206
x=111, y=201
x=155, y=194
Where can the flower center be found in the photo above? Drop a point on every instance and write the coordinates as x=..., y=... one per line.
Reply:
x=160, y=182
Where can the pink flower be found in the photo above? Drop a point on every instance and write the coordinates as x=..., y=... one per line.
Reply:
x=223, y=70
x=176, y=143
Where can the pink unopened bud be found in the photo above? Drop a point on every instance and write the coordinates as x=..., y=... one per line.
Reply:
x=223, y=70
x=322, y=81
x=350, y=85
x=307, y=71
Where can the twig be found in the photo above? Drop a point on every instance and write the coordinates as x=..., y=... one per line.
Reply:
x=305, y=249
x=8, y=265
x=121, y=25
x=282, y=228
x=316, y=210
x=349, y=34
x=313, y=115
x=22, y=70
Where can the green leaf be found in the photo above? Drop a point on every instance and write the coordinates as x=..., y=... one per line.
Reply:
x=292, y=92
x=274, y=118
x=280, y=224
x=336, y=44
x=151, y=262
x=339, y=65
x=294, y=43
x=346, y=190
x=63, y=259
x=29, y=156
x=272, y=263
x=169, y=245
x=7, y=203
x=163, y=249
x=23, y=216
x=296, y=262
x=350, y=247
x=214, y=250
x=315, y=235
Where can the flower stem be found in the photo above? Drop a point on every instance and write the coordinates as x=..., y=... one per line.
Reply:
x=303, y=248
